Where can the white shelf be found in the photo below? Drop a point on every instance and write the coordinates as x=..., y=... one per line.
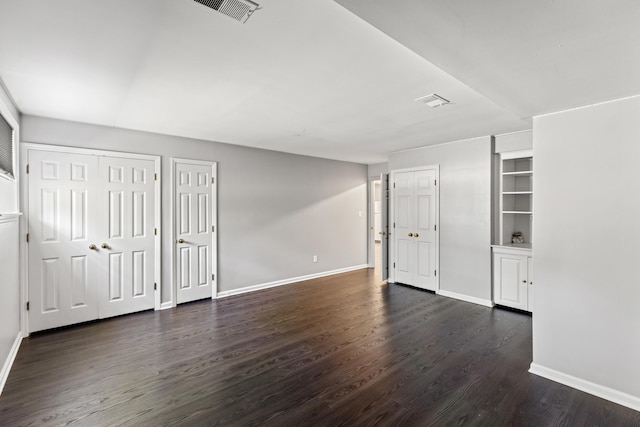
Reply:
x=518, y=212
x=518, y=173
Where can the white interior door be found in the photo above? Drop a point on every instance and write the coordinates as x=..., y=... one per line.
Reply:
x=126, y=235
x=403, y=228
x=63, y=220
x=414, y=231
x=384, y=225
x=195, y=213
x=425, y=229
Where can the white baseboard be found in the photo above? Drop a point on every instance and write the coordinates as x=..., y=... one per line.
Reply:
x=467, y=298
x=4, y=374
x=598, y=390
x=288, y=281
x=166, y=305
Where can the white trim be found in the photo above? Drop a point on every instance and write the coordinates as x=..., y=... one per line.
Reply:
x=587, y=106
x=166, y=305
x=288, y=281
x=598, y=390
x=514, y=132
x=371, y=239
x=466, y=298
x=214, y=222
x=6, y=368
x=441, y=143
x=517, y=154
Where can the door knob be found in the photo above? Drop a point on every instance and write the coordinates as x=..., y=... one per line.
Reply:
x=415, y=235
x=410, y=234
x=180, y=240
x=93, y=247
x=105, y=246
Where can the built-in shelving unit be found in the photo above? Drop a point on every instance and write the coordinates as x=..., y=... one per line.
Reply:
x=516, y=197
x=513, y=260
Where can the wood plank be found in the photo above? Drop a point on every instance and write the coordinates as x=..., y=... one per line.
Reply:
x=340, y=350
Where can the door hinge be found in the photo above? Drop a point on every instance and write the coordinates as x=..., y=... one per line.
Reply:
x=155, y=286
x=394, y=265
x=394, y=185
x=394, y=225
x=155, y=231
x=213, y=180
x=213, y=228
x=435, y=182
x=27, y=237
x=27, y=305
x=155, y=176
x=27, y=167
x=435, y=272
x=213, y=277
x=435, y=228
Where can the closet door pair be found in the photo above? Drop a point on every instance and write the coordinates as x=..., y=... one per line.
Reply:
x=91, y=237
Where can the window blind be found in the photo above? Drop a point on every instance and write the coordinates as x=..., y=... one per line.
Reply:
x=6, y=147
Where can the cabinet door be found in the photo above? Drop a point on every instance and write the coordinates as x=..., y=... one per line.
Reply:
x=510, y=280
x=530, y=286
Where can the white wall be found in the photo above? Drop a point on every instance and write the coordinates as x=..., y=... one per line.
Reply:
x=377, y=169
x=275, y=210
x=586, y=327
x=465, y=212
x=9, y=249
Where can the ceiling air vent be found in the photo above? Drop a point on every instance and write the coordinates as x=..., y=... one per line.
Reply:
x=240, y=10
x=433, y=100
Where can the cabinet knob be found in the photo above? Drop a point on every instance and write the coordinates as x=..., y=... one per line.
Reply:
x=410, y=234
x=93, y=247
x=105, y=246
x=524, y=281
x=180, y=240
x=416, y=235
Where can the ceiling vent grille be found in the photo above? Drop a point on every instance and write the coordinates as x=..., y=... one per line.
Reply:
x=240, y=10
x=433, y=100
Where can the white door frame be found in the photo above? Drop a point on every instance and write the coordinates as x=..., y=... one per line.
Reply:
x=173, y=302
x=25, y=147
x=392, y=254
x=371, y=255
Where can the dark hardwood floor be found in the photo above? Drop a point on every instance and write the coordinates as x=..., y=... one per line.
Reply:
x=342, y=350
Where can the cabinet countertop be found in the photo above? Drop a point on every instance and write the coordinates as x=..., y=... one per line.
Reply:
x=523, y=247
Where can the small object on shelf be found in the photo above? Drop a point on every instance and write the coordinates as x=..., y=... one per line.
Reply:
x=516, y=237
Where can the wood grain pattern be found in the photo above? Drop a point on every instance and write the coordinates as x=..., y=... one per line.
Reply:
x=342, y=350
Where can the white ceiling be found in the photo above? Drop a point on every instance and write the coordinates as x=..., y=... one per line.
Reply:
x=310, y=77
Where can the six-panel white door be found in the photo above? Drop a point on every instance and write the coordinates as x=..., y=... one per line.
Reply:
x=63, y=208
x=126, y=235
x=77, y=204
x=415, y=232
x=194, y=225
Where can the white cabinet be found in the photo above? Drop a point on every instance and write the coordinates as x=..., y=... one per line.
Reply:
x=513, y=278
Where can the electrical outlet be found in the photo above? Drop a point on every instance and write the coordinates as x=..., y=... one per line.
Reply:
x=315, y=258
